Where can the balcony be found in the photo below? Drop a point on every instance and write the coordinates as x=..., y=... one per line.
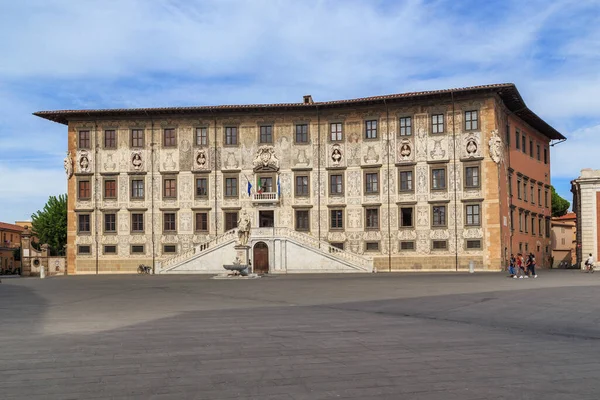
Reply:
x=265, y=197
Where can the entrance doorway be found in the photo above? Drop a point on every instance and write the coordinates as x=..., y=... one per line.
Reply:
x=266, y=219
x=261, y=258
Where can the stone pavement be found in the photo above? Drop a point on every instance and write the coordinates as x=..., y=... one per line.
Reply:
x=379, y=336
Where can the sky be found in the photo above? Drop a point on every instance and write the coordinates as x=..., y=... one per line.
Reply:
x=59, y=54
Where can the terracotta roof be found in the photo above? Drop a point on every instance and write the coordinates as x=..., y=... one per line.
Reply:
x=11, y=227
x=507, y=92
x=566, y=217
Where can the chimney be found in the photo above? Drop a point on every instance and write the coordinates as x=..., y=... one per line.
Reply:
x=308, y=99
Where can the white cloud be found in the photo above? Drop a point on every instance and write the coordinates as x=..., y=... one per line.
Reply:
x=581, y=150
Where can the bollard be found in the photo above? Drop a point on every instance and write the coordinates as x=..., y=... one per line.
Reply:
x=42, y=272
x=471, y=267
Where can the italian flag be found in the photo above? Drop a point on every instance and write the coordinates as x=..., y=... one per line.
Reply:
x=260, y=188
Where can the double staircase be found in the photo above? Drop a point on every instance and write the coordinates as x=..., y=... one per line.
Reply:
x=291, y=252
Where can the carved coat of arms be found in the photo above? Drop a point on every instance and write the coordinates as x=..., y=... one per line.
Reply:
x=265, y=159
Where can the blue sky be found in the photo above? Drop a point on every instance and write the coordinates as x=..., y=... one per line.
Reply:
x=60, y=54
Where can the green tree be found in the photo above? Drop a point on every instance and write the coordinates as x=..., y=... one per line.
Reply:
x=50, y=224
x=560, y=206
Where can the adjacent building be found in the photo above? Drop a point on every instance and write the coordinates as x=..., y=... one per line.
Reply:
x=414, y=181
x=564, y=240
x=10, y=240
x=586, y=205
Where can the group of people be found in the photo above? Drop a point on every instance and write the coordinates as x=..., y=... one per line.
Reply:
x=522, y=267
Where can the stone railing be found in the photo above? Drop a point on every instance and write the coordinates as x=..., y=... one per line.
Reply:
x=270, y=197
x=197, y=249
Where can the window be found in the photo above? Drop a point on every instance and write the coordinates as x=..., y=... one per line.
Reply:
x=336, y=185
x=201, y=222
x=169, y=188
x=525, y=191
x=302, y=220
x=110, y=139
x=302, y=133
x=540, y=226
x=169, y=248
x=524, y=143
x=110, y=189
x=547, y=227
x=539, y=196
x=406, y=181
x=231, y=136
x=472, y=177
x=137, y=189
x=371, y=182
x=439, y=244
x=137, y=138
x=545, y=155
x=201, y=187
x=266, y=134
x=526, y=222
x=471, y=120
x=301, y=185
x=545, y=198
x=530, y=148
x=169, y=139
x=517, y=139
x=510, y=191
x=406, y=126
x=338, y=245
x=407, y=245
x=562, y=241
x=337, y=219
x=336, y=131
x=137, y=222
x=231, y=188
x=532, y=194
x=539, y=157
x=372, y=218
x=137, y=249
x=438, y=179
x=83, y=223
x=84, y=190
x=202, y=136
x=110, y=249
x=519, y=189
x=473, y=244
x=439, y=216
x=520, y=247
x=84, y=139
x=472, y=213
x=231, y=219
x=371, y=129
x=437, y=123
x=110, y=222
x=406, y=217
x=372, y=246
x=533, y=226
x=520, y=221
x=169, y=224
x=83, y=249
x=512, y=220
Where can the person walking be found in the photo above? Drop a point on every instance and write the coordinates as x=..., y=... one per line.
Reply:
x=589, y=264
x=521, y=267
x=511, y=266
x=531, y=262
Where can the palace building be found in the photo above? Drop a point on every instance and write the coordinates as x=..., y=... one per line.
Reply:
x=415, y=181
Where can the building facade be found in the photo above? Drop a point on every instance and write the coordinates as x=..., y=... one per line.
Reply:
x=564, y=241
x=586, y=205
x=10, y=240
x=428, y=180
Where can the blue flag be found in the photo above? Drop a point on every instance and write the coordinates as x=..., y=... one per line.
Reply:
x=278, y=187
x=249, y=188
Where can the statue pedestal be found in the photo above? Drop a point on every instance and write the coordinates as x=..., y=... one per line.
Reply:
x=242, y=253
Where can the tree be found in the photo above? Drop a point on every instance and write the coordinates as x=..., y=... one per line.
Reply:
x=560, y=206
x=50, y=224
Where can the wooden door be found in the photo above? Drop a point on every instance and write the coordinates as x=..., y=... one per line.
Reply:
x=261, y=258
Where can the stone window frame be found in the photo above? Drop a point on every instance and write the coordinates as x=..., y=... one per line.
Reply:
x=196, y=179
x=169, y=231
x=546, y=197
x=467, y=248
x=114, y=179
x=133, y=140
x=525, y=187
x=530, y=147
x=538, y=151
x=337, y=245
x=532, y=192
x=116, y=139
x=479, y=213
x=81, y=180
x=512, y=218
x=271, y=133
x=137, y=253
x=520, y=220
x=412, y=242
x=436, y=167
x=372, y=208
x=465, y=180
x=400, y=225
x=104, y=222
x=296, y=125
x=164, y=246
x=133, y=178
x=433, y=247
x=87, y=142
x=207, y=130
x=164, y=188
x=510, y=189
x=80, y=252
x=226, y=213
x=436, y=114
x=302, y=210
x=524, y=143
x=228, y=176
x=519, y=194
x=164, y=137
x=545, y=155
x=342, y=219
x=236, y=127
x=526, y=221
x=533, y=218
x=272, y=176
x=412, y=172
x=370, y=242
x=476, y=120
x=341, y=133
x=301, y=175
x=341, y=193
x=366, y=128
x=445, y=224
x=540, y=184
x=409, y=118
x=198, y=230
x=131, y=229
x=90, y=223
x=104, y=252
x=517, y=138
x=371, y=171
x=547, y=227
x=540, y=226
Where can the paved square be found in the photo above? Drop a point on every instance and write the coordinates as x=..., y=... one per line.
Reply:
x=380, y=336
